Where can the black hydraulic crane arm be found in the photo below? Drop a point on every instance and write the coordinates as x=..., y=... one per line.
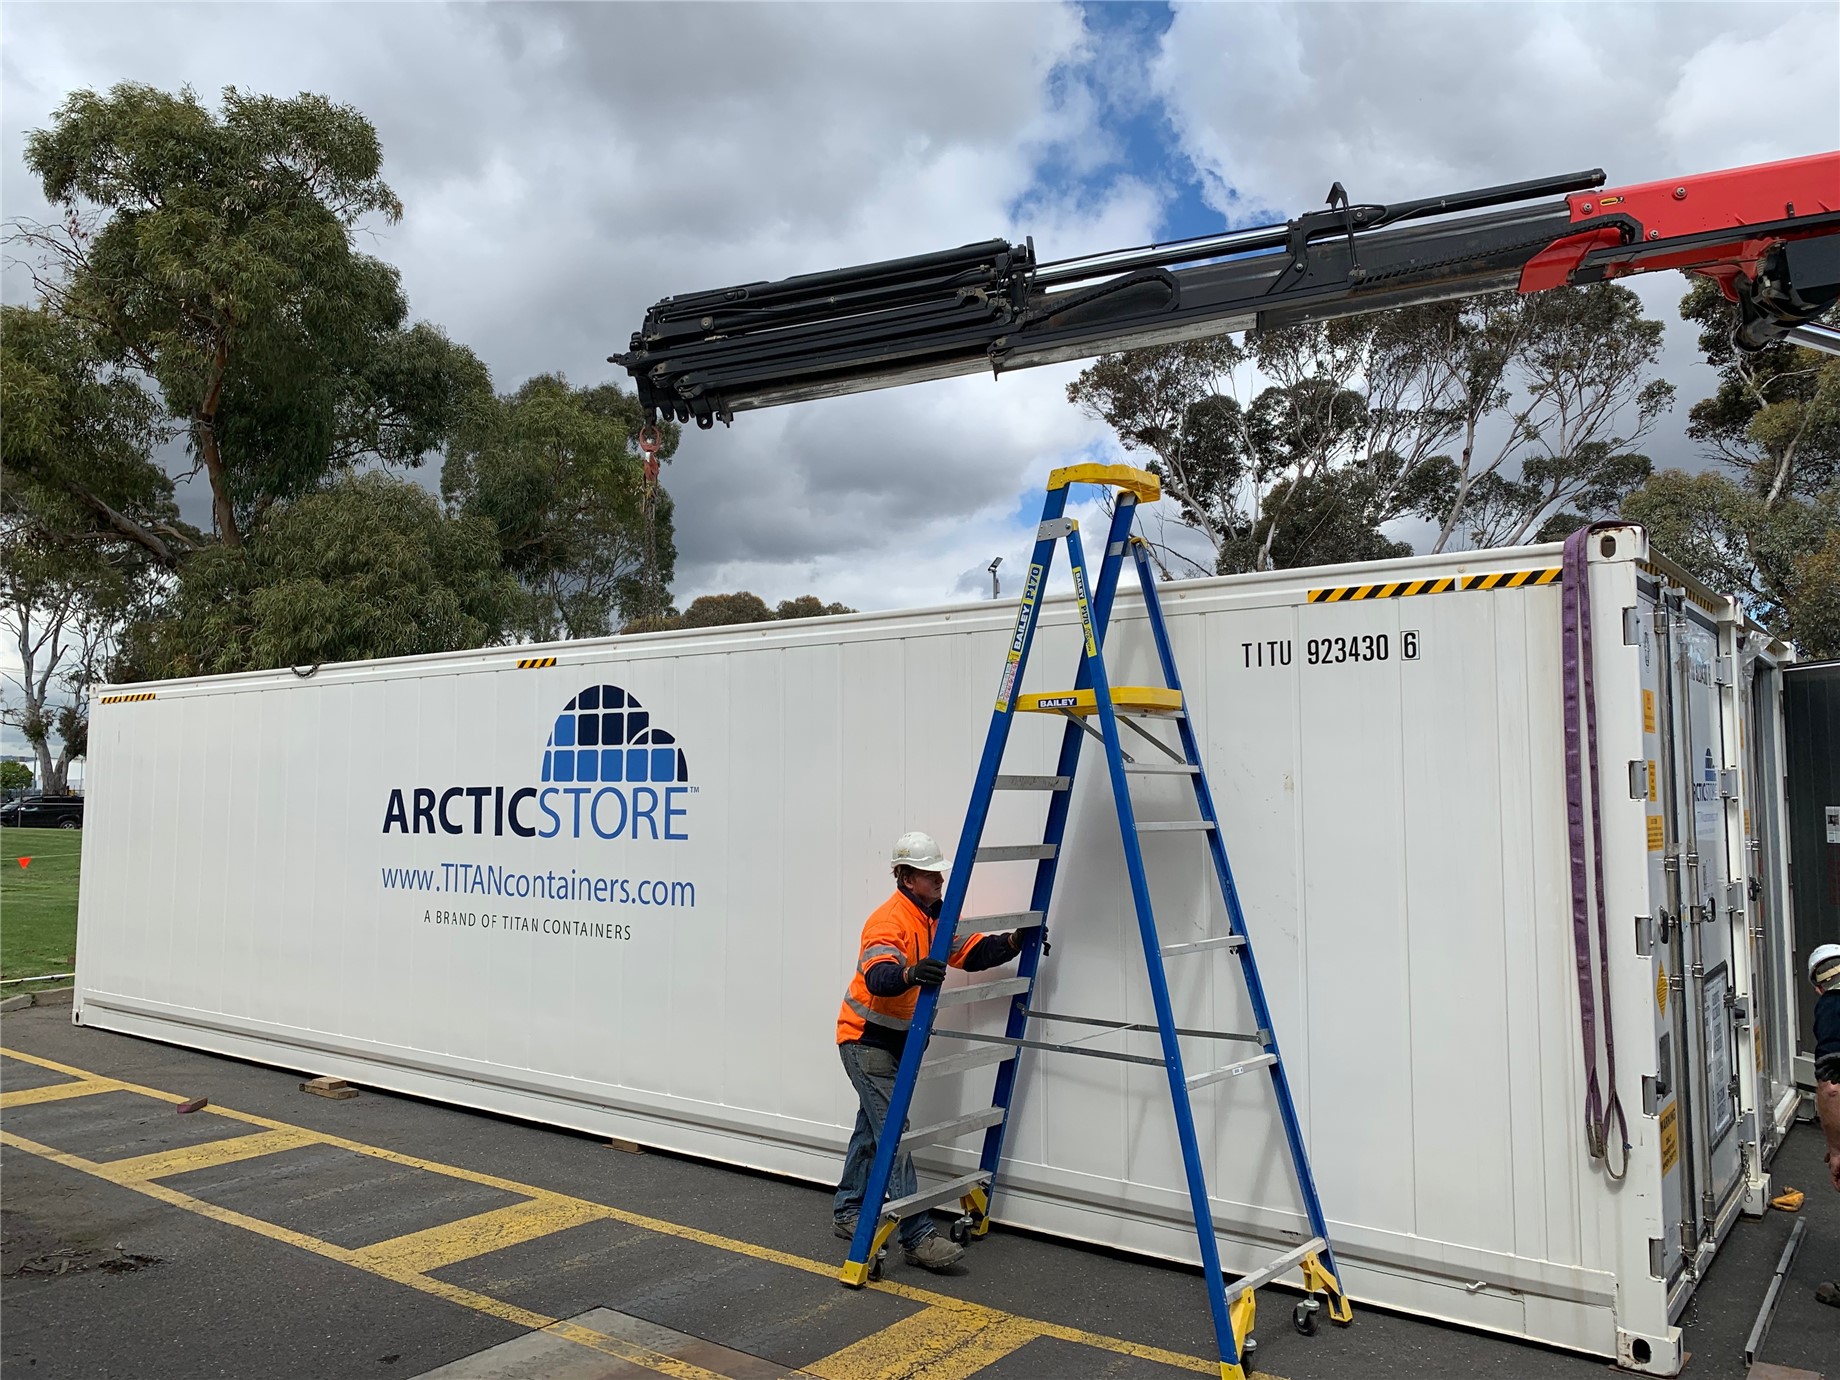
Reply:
x=1769, y=234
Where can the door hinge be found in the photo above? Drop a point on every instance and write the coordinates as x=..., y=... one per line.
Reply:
x=1632, y=627
x=1728, y=783
x=1657, y=1257
x=1638, y=780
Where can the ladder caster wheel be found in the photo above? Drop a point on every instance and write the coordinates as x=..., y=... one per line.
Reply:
x=1303, y=1317
x=875, y=1266
x=1248, y=1353
x=961, y=1230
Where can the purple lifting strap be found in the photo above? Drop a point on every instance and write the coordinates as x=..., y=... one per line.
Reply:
x=1580, y=744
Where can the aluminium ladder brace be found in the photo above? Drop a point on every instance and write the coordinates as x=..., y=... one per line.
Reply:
x=1091, y=697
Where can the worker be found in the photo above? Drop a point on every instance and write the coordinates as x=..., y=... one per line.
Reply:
x=1824, y=973
x=892, y=965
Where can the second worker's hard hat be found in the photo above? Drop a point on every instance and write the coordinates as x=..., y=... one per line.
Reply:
x=1824, y=967
x=920, y=851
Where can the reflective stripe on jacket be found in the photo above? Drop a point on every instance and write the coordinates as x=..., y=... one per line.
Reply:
x=898, y=932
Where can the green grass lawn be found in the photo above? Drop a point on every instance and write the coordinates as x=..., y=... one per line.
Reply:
x=38, y=904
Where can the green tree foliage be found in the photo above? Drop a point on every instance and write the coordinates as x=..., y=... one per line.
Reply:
x=368, y=566
x=557, y=474
x=61, y=606
x=1583, y=369
x=213, y=253
x=809, y=606
x=15, y=776
x=76, y=452
x=1299, y=445
x=724, y=610
x=1765, y=523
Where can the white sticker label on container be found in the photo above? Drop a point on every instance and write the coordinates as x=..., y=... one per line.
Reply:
x=1833, y=823
x=1718, y=1052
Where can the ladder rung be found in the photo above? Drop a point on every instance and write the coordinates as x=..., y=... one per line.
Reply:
x=932, y=1197
x=1260, y=1037
x=1014, y=1042
x=984, y=991
x=941, y=1131
x=1178, y=826
x=1015, y=852
x=1126, y=699
x=1197, y=946
x=1258, y=1061
x=960, y=1063
x=1161, y=768
x=969, y=925
x=1266, y=1273
x=1032, y=783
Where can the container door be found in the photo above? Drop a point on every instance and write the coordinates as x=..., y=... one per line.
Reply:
x=1811, y=757
x=1703, y=785
x=1769, y=935
x=1672, y=1096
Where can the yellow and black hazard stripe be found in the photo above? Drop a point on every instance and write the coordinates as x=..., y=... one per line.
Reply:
x=128, y=699
x=535, y=663
x=1444, y=584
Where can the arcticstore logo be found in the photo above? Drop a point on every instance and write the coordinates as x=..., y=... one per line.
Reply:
x=607, y=772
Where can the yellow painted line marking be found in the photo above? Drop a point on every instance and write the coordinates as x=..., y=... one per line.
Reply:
x=511, y=1312
x=425, y=1251
x=933, y=1344
x=631, y=1351
x=57, y=1092
x=165, y=1163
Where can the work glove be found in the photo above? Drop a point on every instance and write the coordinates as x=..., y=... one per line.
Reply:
x=1015, y=941
x=928, y=972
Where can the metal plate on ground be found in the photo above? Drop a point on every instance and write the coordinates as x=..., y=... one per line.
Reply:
x=604, y=1345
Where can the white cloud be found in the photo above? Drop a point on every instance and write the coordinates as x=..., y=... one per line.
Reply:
x=1275, y=102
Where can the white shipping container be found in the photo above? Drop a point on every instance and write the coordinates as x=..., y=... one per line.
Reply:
x=617, y=886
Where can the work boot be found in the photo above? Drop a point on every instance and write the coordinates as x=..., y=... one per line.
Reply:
x=933, y=1253
x=1827, y=1293
x=844, y=1228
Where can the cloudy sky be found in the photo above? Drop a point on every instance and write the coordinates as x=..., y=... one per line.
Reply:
x=564, y=166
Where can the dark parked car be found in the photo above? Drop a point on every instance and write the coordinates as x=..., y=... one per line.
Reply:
x=36, y=811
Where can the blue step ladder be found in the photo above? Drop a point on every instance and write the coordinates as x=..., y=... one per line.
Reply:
x=1092, y=697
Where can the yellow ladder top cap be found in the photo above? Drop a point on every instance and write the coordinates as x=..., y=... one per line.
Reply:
x=1145, y=485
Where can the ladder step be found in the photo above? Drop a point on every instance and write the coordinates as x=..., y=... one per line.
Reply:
x=1161, y=769
x=1201, y=1080
x=1198, y=946
x=1032, y=783
x=1015, y=852
x=960, y=1063
x=941, y=1131
x=984, y=991
x=1178, y=826
x=1126, y=699
x=947, y=1192
x=1266, y=1273
x=969, y=925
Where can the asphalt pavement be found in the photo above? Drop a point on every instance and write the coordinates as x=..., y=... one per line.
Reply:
x=279, y=1234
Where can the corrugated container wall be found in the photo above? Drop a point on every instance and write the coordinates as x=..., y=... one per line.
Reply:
x=620, y=890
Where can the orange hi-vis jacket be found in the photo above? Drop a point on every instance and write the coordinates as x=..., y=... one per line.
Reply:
x=898, y=932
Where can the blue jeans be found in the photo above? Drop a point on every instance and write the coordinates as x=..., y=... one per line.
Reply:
x=872, y=1071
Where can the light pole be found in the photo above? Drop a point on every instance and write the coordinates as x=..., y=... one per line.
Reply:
x=995, y=589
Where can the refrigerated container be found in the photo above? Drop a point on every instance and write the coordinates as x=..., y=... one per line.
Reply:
x=617, y=885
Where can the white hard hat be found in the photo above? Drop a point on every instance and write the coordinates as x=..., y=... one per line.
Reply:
x=1824, y=967
x=920, y=851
